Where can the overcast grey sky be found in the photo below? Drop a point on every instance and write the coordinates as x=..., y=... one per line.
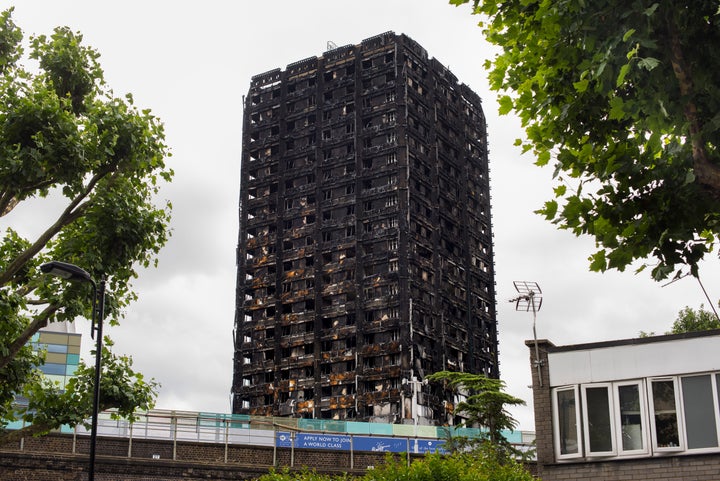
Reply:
x=191, y=63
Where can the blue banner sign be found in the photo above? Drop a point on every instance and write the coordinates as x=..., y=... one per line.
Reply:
x=377, y=444
x=335, y=442
x=283, y=440
x=341, y=442
x=423, y=446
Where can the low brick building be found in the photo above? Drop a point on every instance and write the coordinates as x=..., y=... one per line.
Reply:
x=641, y=409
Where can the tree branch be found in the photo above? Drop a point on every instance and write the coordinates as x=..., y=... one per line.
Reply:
x=38, y=323
x=72, y=212
x=8, y=202
x=706, y=172
x=27, y=431
x=67, y=217
x=9, y=198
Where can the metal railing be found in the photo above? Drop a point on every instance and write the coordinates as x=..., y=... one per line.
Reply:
x=275, y=432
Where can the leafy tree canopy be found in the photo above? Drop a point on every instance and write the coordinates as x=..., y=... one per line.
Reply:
x=484, y=405
x=481, y=464
x=623, y=98
x=690, y=320
x=65, y=138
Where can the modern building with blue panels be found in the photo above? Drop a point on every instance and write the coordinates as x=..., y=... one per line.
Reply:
x=62, y=355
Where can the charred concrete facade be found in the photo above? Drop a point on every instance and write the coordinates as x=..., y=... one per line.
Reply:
x=365, y=258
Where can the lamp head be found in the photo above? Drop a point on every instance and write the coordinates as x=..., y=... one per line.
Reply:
x=66, y=271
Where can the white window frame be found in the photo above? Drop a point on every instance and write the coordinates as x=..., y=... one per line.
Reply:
x=586, y=424
x=646, y=414
x=578, y=423
x=644, y=419
x=678, y=414
x=716, y=405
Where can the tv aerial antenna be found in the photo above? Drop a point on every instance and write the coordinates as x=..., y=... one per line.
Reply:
x=330, y=46
x=530, y=298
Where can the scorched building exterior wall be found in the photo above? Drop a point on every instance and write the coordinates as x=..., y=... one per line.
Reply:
x=365, y=256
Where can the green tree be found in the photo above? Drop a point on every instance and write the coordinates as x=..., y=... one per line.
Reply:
x=302, y=475
x=481, y=464
x=66, y=140
x=690, y=320
x=121, y=388
x=484, y=405
x=623, y=98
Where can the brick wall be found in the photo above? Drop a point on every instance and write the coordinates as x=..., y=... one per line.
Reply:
x=542, y=402
x=59, y=457
x=695, y=467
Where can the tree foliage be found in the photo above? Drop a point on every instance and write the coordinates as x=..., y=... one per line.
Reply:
x=66, y=140
x=484, y=405
x=623, y=98
x=690, y=320
x=122, y=389
x=303, y=475
x=483, y=464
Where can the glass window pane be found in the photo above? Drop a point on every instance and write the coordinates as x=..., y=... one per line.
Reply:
x=567, y=422
x=53, y=368
x=699, y=412
x=599, y=421
x=717, y=384
x=631, y=418
x=62, y=348
x=666, y=427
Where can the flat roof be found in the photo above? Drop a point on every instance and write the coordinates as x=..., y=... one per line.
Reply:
x=626, y=342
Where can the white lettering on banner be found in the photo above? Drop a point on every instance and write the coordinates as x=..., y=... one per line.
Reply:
x=323, y=441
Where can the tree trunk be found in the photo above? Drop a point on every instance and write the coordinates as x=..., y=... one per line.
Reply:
x=707, y=173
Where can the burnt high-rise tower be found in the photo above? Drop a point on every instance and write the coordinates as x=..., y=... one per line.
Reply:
x=365, y=257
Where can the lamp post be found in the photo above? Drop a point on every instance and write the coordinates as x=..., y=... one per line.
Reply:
x=72, y=272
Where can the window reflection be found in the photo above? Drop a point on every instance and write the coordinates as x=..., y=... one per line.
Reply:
x=599, y=421
x=665, y=414
x=567, y=422
x=699, y=410
x=630, y=418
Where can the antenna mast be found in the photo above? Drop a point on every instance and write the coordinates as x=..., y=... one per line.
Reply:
x=530, y=298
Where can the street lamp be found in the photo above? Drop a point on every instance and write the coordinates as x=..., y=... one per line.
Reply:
x=72, y=272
